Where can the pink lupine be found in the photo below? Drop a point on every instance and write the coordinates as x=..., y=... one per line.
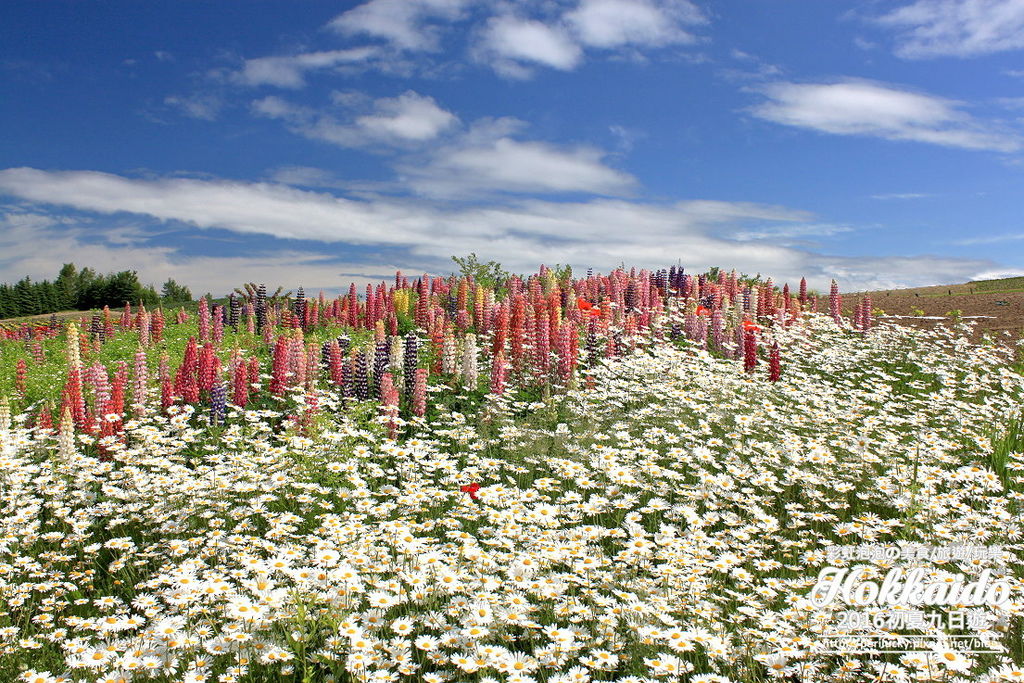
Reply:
x=336, y=364
x=218, y=324
x=157, y=333
x=166, y=389
x=254, y=373
x=20, y=376
x=144, y=328
x=835, y=303
x=204, y=320
x=279, y=370
x=566, y=353
x=419, y=393
x=38, y=352
x=866, y=316
x=389, y=403
x=498, y=373
x=803, y=291
x=141, y=380
x=312, y=366
x=240, y=384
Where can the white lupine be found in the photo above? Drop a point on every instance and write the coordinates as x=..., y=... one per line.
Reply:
x=470, y=372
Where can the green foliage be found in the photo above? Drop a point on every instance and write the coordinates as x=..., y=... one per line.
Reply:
x=173, y=293
x=74, y=289
x=489, y=274
x=1002, y=284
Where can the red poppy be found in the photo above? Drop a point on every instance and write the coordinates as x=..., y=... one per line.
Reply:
x=702, y=311
x=584, y=305
x=471, y=489
x=747, y=325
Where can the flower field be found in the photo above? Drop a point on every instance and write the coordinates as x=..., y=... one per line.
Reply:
x=634, y=477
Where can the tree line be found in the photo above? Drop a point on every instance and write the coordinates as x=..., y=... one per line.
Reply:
x=82, y=290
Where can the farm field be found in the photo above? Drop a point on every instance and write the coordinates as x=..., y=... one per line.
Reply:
x=634, y=477
x=997, y=306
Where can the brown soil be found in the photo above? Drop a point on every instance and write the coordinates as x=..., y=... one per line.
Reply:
x=1000, y=308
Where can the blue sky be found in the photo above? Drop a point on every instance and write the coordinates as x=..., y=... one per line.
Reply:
x=317, y=143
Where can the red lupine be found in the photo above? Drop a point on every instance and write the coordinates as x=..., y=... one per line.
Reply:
x=774, y=363
x=749, y=349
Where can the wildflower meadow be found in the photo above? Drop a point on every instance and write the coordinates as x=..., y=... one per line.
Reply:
x=632, y=476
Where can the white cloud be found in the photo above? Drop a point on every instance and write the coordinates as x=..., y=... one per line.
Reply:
x=408, y=118
x=956, y=28
x=205, y=107
x=785, y=233
x=902, y=195
x=600, y=233
x=488, y=158
x=21, y=254
x=289, y=71
x=615, y=23
x=509, y=41
x=404, y=24
x=877, y=110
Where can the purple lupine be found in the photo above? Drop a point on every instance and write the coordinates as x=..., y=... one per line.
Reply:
x=410, y=361
x=234, y=310
x=361, y=381
x=218, y=403
x=261, y=308
x=381, y=355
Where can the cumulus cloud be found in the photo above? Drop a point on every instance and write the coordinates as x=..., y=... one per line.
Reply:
x=405, y=24
x=600, y=233
x=513, y=45
x=70, y=240
x=203, y=106
x=408, y=118
x=489, y=158
x=290, y=71
x=508, y=42
x=615, y=23
x=865, y=108
x=956, y=28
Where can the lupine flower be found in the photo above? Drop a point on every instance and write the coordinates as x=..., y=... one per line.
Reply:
x=279, y=369
x=240, y=384
x=470, y=371
x=749, y=349
x=835, y=303
x=141, y=380
x=419, y=393
x=20, y=375
x=204, y=320
x=774, y=363
x=218, y=403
